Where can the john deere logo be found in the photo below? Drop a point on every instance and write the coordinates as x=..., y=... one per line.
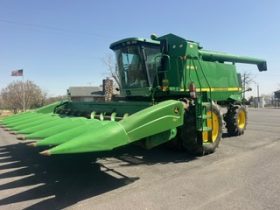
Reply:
x=176, y=110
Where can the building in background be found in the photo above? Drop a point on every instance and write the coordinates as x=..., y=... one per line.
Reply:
x=85, y=93
x=106, y=92
x=277, y=98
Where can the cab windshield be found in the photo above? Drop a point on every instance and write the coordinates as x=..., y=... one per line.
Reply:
x=137, y=65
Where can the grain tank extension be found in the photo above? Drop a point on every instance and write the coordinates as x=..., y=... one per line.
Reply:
x=171, y=92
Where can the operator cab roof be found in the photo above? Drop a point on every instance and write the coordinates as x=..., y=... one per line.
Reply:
x=156, y=41
x=132, y=40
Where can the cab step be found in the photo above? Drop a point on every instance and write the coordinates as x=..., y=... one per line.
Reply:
x=205, y=129
x=204, y=117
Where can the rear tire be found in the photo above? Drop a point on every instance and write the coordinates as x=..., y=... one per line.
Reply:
x=200, y=143
x=236, y=120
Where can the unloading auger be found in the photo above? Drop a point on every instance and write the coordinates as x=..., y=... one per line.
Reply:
x=171, y=91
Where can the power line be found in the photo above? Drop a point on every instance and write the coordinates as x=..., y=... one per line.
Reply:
x=52, y=28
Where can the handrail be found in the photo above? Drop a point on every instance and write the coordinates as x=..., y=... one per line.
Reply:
x=155, y=61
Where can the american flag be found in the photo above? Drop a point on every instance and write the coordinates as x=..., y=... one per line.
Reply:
x=17, y=73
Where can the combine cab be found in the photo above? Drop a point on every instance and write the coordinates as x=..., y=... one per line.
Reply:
x=171, y=91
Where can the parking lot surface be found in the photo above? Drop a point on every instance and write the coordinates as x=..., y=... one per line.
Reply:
x=244, y=173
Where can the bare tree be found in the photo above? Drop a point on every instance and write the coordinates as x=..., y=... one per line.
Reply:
x=21, y=95
x=112, y=68
x=247, y=79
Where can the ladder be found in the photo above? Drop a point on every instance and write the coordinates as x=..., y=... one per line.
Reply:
x=203, y=104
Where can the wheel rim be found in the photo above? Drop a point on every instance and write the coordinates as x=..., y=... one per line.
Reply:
x=215, y=128
x=241, y=121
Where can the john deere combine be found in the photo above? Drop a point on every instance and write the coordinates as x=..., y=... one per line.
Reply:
x=171, y=90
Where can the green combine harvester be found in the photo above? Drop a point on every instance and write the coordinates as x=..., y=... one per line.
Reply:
x=171, y=91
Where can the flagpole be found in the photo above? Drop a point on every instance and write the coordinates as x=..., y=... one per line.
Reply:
x=17, y=73
x=23, y=94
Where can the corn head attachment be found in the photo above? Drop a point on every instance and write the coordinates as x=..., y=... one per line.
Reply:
x=78, y=135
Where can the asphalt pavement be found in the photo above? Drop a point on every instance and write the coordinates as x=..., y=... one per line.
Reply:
x=244, y=173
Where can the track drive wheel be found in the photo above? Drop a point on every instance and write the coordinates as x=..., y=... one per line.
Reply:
x=236, y=120
x=206, y=142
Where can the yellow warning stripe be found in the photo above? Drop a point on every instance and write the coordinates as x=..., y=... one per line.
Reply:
x=215, y=89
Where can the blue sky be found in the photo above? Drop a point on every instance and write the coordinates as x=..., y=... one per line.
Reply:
x=61, y=43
